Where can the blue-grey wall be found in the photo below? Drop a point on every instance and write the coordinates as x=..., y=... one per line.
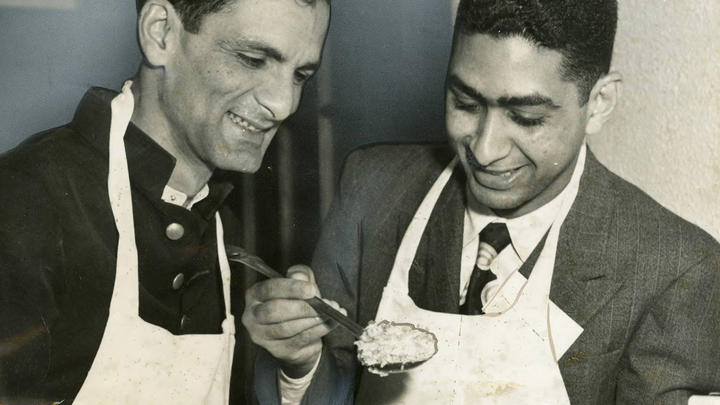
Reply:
x=387, y=61
x=49, y=57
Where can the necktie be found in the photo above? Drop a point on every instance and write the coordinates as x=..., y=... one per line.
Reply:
x=493, y=239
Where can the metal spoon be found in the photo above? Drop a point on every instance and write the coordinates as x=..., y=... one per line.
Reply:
x=240, y=255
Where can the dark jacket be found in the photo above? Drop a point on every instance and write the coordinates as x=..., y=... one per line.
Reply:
x=58, y=247
x=643, y=283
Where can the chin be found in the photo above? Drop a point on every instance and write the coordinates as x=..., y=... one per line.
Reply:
x=505, y=202
x=242, y=166
x=241, y=162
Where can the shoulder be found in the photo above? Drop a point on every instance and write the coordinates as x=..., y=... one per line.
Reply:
x=46, y=153
x=39, y=173
x=392, y=164
x=646, y=225
x=654, y=218
x=402, y=153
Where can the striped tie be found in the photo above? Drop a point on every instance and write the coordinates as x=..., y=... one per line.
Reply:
x=493, y=239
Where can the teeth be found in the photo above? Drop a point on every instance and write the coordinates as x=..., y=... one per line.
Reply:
x=506, y=173
x=242, y=123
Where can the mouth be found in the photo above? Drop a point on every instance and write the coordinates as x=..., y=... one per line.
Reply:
x=247, y=125
x=493, y=178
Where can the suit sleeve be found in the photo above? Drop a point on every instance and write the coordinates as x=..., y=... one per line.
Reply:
x=29, y=272
x=675, y=351
x=335, y=264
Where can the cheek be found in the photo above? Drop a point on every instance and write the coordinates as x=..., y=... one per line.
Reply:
x=216, y=82
x=554, y=152
x=459, y=125
x=213, y=73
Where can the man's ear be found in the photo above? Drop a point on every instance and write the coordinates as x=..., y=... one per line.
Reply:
x=603, y=99
x=159, y=27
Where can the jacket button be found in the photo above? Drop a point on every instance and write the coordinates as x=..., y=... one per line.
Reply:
x=178, y=281
x=174, y=231
x=184, y=322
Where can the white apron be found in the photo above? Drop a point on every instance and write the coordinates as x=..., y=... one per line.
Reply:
x=140, y=363
x=501, y=358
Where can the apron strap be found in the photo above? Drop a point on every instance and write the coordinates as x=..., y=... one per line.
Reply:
x=223, y=262
x=125, y=291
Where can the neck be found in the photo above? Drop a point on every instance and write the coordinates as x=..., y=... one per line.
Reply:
x=190, y=173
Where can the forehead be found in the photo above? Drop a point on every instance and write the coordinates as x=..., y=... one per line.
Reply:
x=506, y=66
x=287, y=25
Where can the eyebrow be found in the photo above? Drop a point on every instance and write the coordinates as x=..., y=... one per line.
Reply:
x=531, y=100
x=257, y=46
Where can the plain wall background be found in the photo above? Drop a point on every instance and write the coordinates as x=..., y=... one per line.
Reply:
x=665, y=134
x=49, y=57
x=385, y=70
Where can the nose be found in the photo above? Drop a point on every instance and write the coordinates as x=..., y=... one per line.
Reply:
x=490, y=142
x=279, y=96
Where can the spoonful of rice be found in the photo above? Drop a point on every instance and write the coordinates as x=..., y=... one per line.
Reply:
x=383, y=347
x=388, y=347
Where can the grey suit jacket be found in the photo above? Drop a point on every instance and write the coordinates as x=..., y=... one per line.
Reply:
x=643, y=283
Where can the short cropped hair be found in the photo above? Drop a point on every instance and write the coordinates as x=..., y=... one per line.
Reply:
x=192, y=12
x=583, y=31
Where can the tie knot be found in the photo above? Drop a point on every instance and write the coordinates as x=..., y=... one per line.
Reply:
x=496, y=235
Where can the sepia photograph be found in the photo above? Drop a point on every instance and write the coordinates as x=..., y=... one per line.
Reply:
x=304, y=202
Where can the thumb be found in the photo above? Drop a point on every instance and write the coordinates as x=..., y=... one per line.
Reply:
x=302, y=273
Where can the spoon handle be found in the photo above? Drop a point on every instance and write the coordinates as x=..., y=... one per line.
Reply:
x=239, y=255
x=322, y=307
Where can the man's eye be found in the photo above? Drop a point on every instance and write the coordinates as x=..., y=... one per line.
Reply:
x=251, y=61
x=525, y=121
x=302, y=77
x=469, y=107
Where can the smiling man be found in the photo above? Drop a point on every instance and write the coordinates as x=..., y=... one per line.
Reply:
x=546, y=278
x=114, y=282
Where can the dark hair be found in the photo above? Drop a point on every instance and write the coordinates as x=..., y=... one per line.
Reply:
x=583, y=31
x=192, y=11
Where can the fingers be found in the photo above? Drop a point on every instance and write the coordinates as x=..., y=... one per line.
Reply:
x=278, y=318
x=281, y=310
x=289, y=329
x=279, y=288
x=298, y=346
x=293, y=333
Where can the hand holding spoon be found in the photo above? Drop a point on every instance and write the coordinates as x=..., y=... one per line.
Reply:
x=239, y=255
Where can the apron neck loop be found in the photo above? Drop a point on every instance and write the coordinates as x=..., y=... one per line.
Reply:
x=120, y=194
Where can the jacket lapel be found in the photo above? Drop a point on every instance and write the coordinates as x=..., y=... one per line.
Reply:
x=582, y=280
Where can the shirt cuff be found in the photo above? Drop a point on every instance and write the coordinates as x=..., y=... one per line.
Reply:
x=293, y=389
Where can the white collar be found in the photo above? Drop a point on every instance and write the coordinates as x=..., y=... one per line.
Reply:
x=527, y=230
x=176, y=197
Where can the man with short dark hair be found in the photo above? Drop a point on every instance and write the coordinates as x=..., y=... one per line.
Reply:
x=114, y=281
x=545, y=278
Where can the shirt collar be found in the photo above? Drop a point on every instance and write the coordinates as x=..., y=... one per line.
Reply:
x=177, y=197
x=144, y=155
x=527, y=230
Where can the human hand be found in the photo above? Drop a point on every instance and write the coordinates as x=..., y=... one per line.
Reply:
x=279, y=320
